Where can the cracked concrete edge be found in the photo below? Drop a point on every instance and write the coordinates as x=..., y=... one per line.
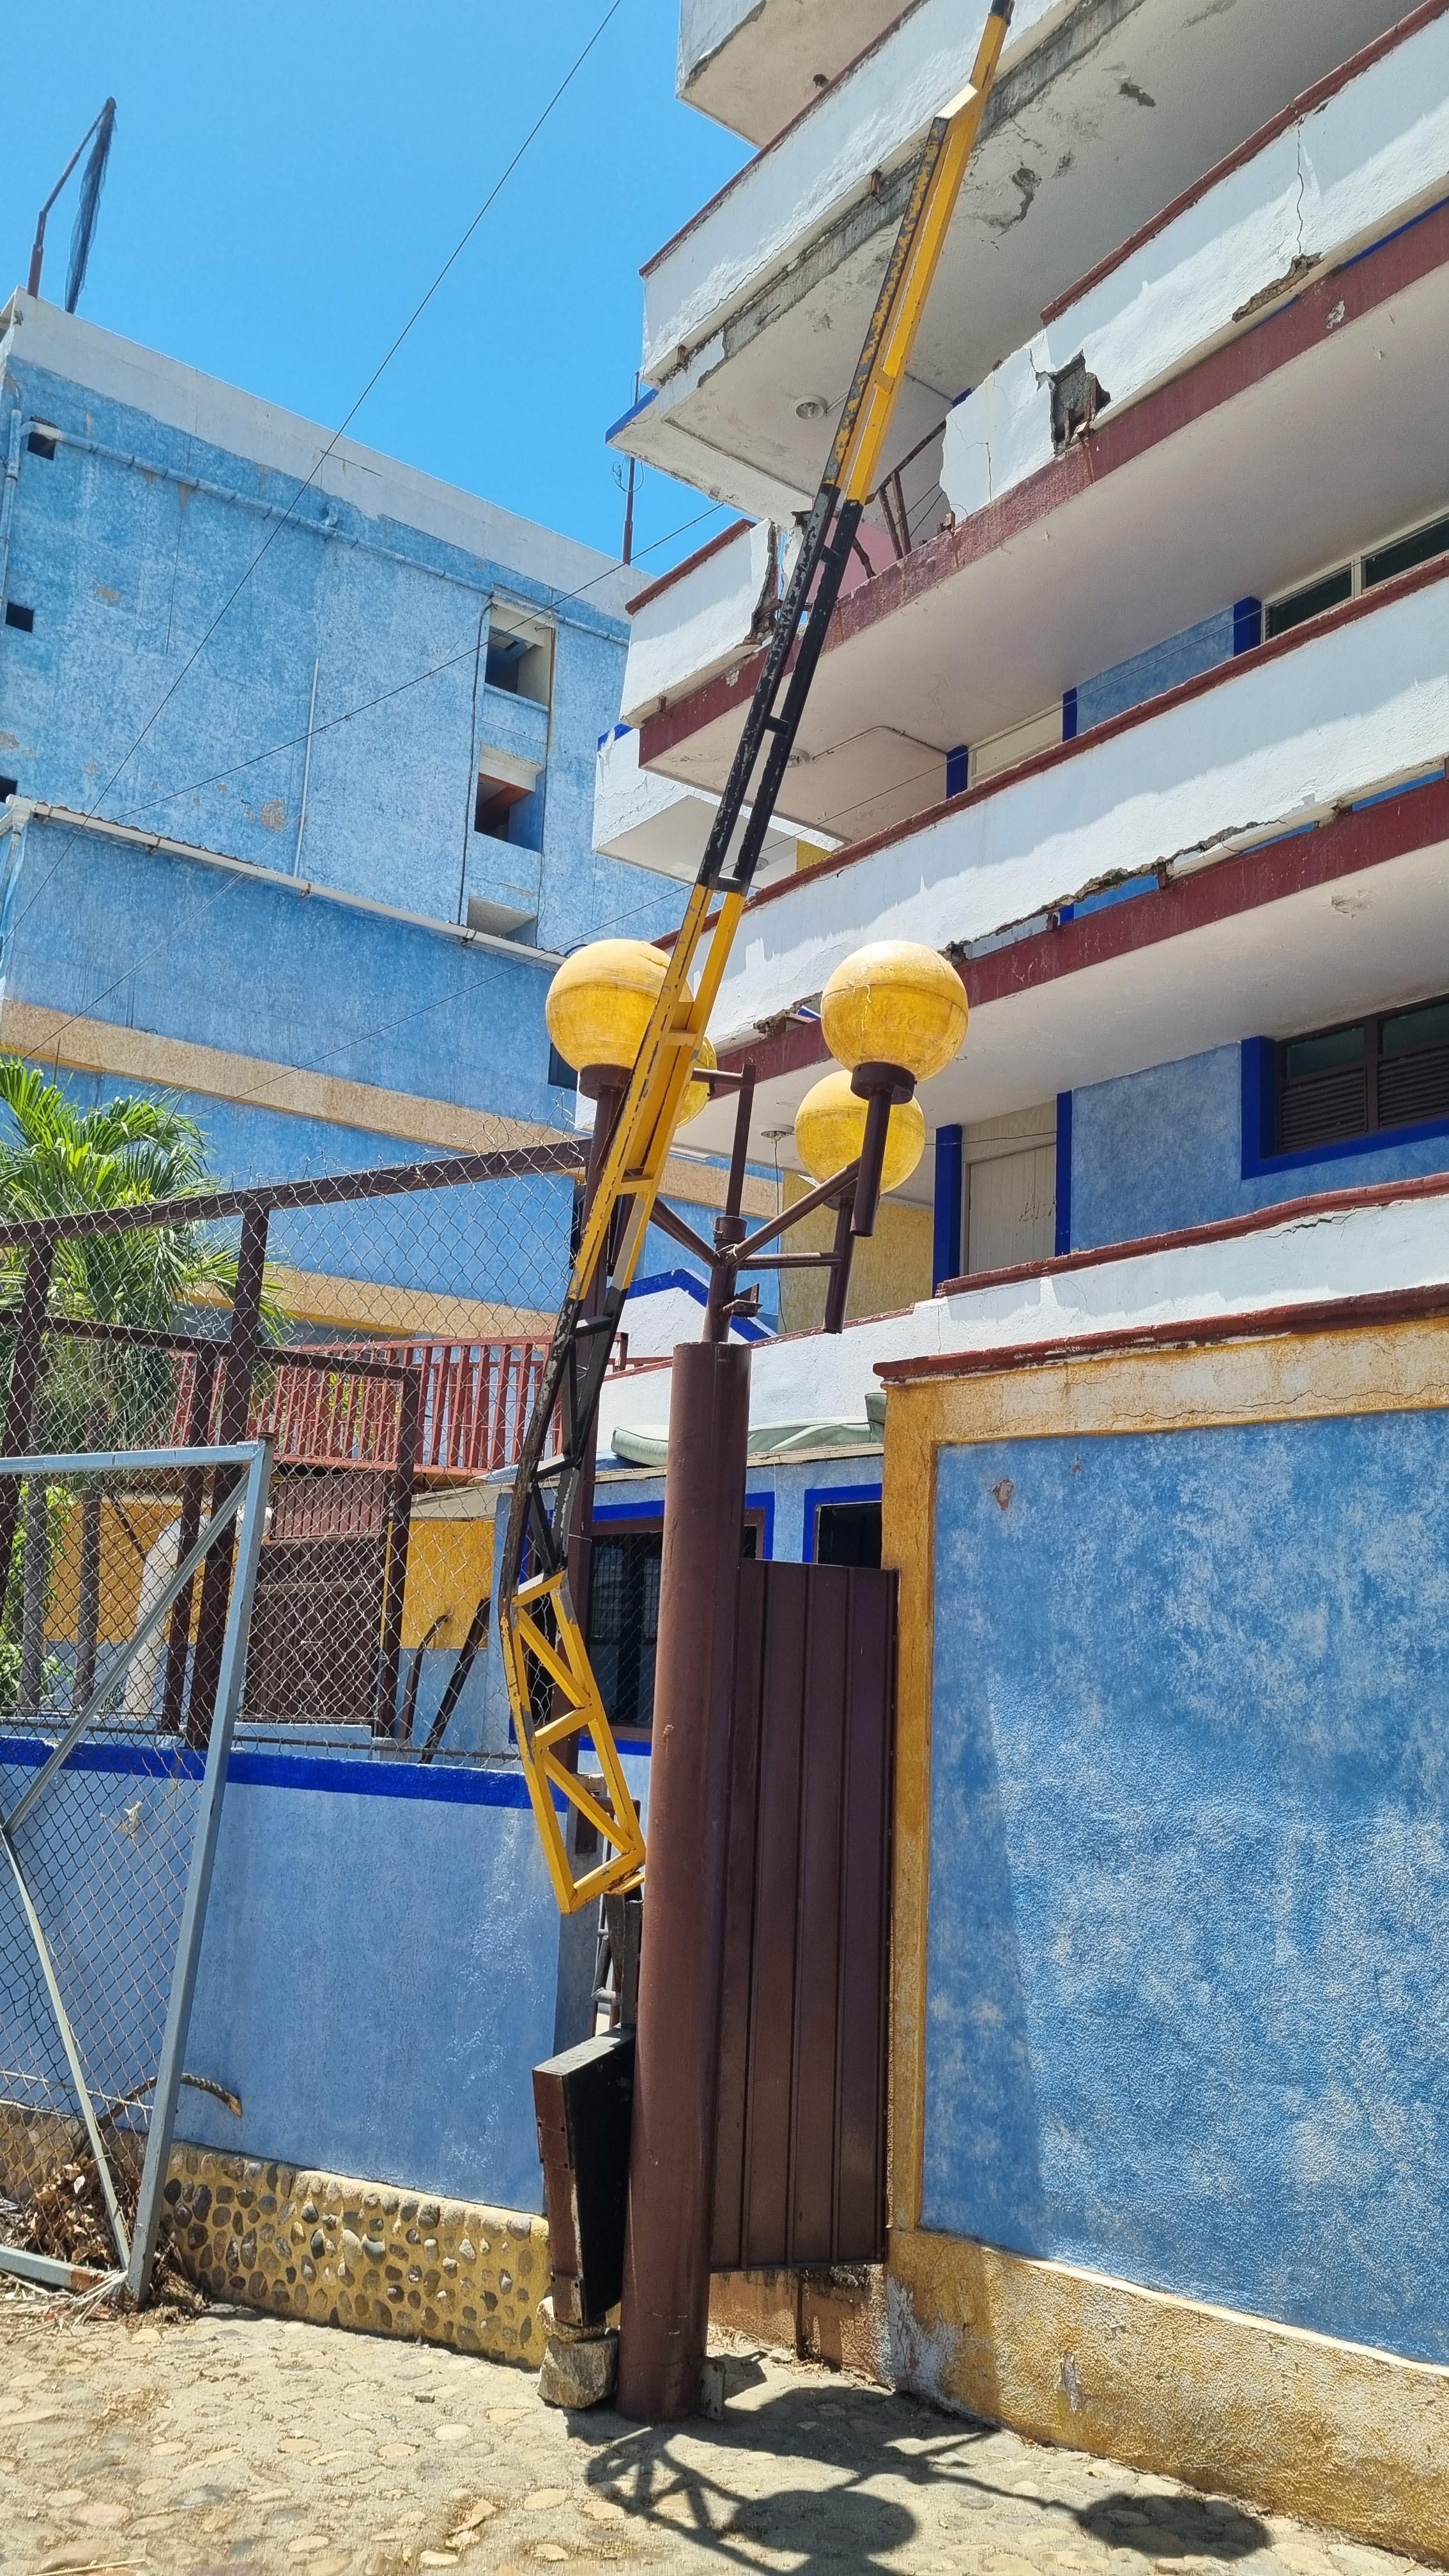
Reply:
x=1277, y=2417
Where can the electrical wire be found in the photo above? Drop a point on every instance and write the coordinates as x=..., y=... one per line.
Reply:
x=559, y=599
x=340, y=432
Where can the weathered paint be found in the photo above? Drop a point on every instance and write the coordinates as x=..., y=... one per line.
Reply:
x=1101, y=107
x=1189, y=1883
x=981, y=2330
x=377, y=1976
x=1361, y=162
x=1164, y=1148
x=683, y=634
x=1354, y=1246
x=1265, y=745
x=169, y=502
x=1294, y=2423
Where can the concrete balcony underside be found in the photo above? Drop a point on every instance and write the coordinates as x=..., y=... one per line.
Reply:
x=1104, y=109
x=1306, y=438
x=754, y=64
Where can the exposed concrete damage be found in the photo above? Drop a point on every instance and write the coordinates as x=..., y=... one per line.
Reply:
x=790, y=255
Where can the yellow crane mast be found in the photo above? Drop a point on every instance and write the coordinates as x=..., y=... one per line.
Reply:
x=553, y=1692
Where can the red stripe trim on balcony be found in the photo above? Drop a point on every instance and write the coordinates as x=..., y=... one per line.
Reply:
x=681, y=571
x=1331, y=304
x=1303, y=106
x=1325, y=1315
x=1392, y=828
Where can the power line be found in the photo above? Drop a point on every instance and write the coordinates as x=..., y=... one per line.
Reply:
x=340, y=432
x=273, y=751
x=365, y=706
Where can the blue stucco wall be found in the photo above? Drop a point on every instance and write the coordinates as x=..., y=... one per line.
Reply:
x=1162, y=666
x=1163, y=1149
x=127, y=558
x=1189, y=1911
x=377, y=1983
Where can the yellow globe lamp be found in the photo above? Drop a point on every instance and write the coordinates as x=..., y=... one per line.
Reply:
x=698, y=1095
x=830, y=1132
x=895, y=1003
x=599, y=1006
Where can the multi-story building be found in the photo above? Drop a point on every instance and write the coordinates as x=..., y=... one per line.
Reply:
x=297, y=754
x=1136, y=707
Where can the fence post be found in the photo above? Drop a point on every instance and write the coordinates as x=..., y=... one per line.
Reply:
x=27, y=1370
x=178, y=1635
x=236, y=1395
x=399, y=1524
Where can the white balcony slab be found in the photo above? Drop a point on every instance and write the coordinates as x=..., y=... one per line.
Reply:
x=654, y=823
x=754, y=64
x=1106, y=108
x=1362, y=162
x=1302, y=1261
x=989, y=624
x=700, y=619
x=1346, y=712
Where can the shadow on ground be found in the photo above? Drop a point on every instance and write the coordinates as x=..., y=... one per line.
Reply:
x=837, y=2473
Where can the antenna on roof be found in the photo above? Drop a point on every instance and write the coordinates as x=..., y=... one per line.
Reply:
x=98, y=136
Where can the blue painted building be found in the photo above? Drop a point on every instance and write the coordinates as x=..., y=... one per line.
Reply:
x=297, y=753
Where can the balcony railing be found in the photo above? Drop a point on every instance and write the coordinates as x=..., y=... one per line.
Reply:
x=474, y=1400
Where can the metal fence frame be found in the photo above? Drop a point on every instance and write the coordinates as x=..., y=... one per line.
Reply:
x=239, y=1516
x=435, y=1410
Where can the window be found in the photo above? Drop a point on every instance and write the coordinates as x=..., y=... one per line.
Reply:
x=623, y=1621
x=520, y=656
x=624, y=1624
x=1406, y=552
x=15, y=615
x=561, y=1074
x=1349, y=581
x=847, y=1534
x=1314, y=600
x=1365, y=1079
x=8, y=787
x=41, y=442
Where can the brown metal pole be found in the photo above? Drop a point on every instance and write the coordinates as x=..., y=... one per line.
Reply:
x=665, y=2317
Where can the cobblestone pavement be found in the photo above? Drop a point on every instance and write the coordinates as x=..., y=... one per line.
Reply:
x=231, y=2441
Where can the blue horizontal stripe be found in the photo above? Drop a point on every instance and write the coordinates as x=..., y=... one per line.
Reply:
x=252, y=1770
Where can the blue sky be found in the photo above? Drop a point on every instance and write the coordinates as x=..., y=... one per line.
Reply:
x=288, y=177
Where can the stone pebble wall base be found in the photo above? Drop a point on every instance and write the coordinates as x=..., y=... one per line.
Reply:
x=358, y=2254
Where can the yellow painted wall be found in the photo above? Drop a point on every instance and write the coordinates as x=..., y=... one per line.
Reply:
x=891, y=1271
x=450, y=1568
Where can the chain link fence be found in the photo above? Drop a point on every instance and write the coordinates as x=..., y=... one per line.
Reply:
x=387, y=1330
x=107, y=1826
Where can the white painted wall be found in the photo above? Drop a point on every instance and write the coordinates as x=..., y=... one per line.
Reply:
x=1350, y=172
x=1402, y=1245
x=866, y=121
x=1347, y=712
x=701, y=624
x=655, y=823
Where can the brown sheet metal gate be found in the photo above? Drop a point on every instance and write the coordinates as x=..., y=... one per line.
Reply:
x=800, y=2176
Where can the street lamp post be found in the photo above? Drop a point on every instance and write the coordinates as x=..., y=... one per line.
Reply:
x=894, y=1016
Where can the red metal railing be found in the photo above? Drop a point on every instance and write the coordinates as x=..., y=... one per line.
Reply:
x=474, y=1402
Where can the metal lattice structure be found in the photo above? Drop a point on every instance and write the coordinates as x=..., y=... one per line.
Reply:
x=556, y=1700
x=108, y=1824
